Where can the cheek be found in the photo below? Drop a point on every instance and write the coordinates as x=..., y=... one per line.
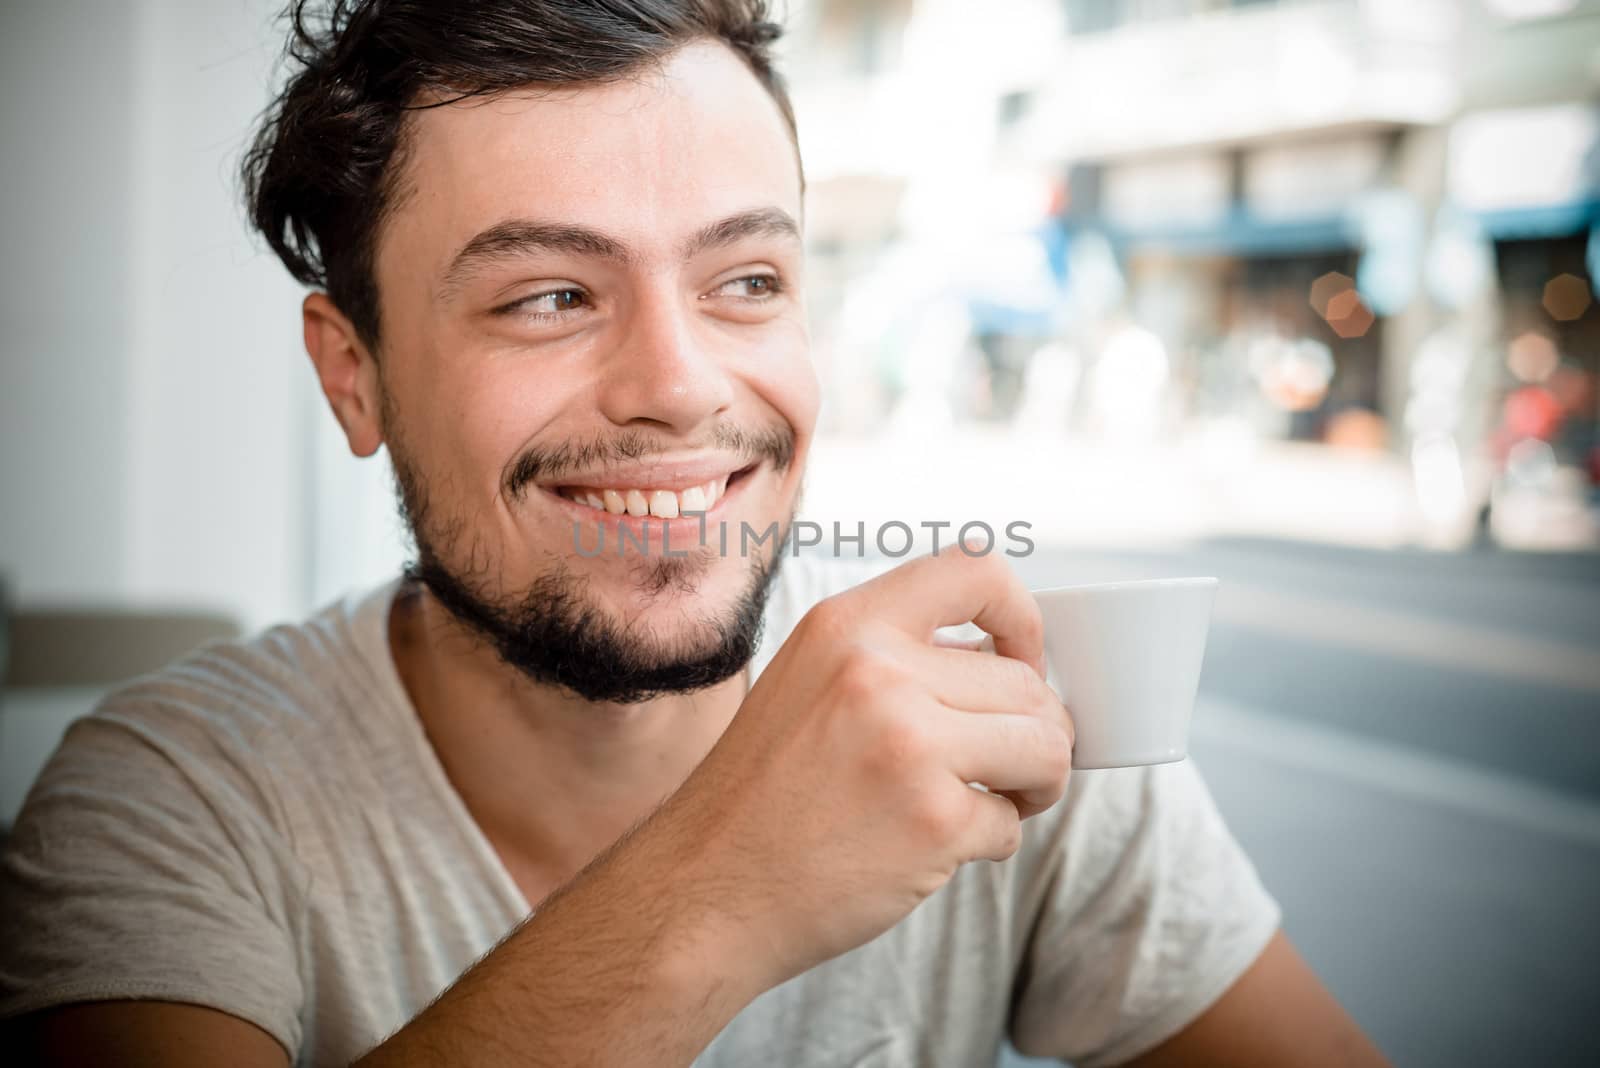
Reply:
x=806, y=397
x=787, y=381
x=507, y=411
x=482, y=421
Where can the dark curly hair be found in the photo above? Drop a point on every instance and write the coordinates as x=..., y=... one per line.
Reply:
x=320, y=174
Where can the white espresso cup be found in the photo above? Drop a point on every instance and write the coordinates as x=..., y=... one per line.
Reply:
x=1125, y=659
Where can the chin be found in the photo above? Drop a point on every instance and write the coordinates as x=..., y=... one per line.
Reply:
x=627, y=627
x=667, y=593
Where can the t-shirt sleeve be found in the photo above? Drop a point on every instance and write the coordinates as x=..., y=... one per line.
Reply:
x=1148, y=911
x=144, y=865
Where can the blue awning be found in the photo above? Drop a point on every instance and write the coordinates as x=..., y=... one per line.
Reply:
x=1554, y=220
x=1242, y=234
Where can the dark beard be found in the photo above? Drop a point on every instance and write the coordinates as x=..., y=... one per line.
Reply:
x=553, y=635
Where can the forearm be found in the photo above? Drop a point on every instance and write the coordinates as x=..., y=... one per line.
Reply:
x=629, y=964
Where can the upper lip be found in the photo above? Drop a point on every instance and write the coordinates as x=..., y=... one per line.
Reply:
x=663, y=474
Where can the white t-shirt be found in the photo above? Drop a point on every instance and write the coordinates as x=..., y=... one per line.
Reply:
x=264, y=828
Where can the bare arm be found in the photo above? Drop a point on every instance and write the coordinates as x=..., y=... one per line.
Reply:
x=1278, y=1015
x=140, y=1034
x=632, y=963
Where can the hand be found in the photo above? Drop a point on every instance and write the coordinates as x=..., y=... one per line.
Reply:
x=838, y=798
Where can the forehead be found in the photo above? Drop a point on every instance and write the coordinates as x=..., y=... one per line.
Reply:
x=647, y=159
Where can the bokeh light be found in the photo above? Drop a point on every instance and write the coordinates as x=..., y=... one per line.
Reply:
x=1294, y=375
x=1566, y=297
x=1326, y=288
x=1351, y=318
x=1441, y=484
x=1342, y=305
x=1532, y=356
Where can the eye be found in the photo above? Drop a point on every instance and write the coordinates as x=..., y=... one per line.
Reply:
x=754, y=287
x=554, y=304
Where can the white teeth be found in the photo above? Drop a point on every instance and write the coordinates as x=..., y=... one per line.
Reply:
x=664, y=504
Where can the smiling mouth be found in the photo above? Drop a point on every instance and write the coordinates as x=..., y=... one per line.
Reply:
x=653, y=501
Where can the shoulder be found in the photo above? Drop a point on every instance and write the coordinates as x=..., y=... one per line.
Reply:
x=288, y=677
x=231, y=717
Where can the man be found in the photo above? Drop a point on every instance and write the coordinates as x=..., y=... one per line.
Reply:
x=559, y=275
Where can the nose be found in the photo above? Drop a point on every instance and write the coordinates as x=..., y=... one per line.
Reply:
x=662, y=373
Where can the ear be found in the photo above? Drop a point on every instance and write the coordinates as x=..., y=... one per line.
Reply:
x=348, y=373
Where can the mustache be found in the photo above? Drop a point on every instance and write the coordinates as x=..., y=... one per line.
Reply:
x=547, y=463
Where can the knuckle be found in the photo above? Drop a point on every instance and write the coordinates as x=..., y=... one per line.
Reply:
x=866, y=676
x=1032, y=694
x=1051, y=710
x=856, y=677
x=1033, y=625
x=983, y=565
x=828, y=618
x=1058, y=754
x=997, y=568
x=1009, y=837
x=1035, y=691
x=1049, y=747
x=900, y=745
x=1032, y=622
x=937, y=819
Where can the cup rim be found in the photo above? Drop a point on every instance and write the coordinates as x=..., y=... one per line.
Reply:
x=1192, y=582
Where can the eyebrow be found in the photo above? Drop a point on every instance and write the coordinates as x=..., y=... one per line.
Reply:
x=759, y=222
x=523, y=237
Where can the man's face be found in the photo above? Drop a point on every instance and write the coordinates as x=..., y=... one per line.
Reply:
x=592, y=296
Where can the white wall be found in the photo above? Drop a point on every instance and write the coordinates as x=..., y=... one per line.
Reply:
x=65, y=213
x=219, y=392
x=162, y=438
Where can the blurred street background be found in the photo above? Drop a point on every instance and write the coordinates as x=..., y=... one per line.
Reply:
x=1346, y=246
x=1298, y=293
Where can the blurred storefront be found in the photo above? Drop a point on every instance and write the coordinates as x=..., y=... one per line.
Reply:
x=1373, y=225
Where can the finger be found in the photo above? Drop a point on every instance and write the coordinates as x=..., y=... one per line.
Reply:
x=981, y=682
x=1023, y=757
x=993, y=829
x=953, y=587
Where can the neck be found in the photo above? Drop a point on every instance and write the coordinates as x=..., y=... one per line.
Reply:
x=550, y=778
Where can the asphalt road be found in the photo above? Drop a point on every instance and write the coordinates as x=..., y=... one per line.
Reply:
x=1408, y=744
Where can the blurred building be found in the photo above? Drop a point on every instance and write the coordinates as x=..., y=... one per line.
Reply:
x=1364, y=223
